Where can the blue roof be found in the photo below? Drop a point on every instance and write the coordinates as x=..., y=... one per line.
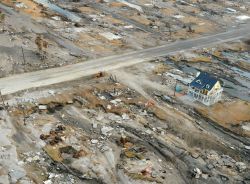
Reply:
x=204, y=81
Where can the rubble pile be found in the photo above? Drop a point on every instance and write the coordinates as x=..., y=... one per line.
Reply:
x=133, y=140
x=214, y=160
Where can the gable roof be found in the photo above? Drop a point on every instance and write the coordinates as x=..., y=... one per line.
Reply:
x=204, y=81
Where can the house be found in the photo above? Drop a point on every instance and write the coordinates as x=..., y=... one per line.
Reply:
x=205, y=88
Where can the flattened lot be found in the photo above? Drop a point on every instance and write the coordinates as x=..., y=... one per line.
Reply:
x=234, y=115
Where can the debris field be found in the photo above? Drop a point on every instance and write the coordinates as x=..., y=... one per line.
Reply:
x=135, y=124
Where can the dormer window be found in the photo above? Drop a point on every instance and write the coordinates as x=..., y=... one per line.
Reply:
x=198, y=81
x=207, y=86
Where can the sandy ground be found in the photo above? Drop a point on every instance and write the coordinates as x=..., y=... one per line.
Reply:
x=230, y=115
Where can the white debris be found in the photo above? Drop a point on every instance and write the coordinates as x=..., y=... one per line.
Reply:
x=114, y=117
x=52, y=175
x=115, y=93
x=102, y=97
x=72, y=180
x=57, y=18
x=197, y=172
x=29, y=159
x=42, y=107
x=148, y=131
x=246, y=127
x=110, y=36
x=247, y=147
x=230, y=10
x=94, y=125
x=129, y=27
x=94, y=17
x=185, y=80
x=131, y=5
x=125, y=116
x=20, y=163
x=51, y=92
x=94, y=141
x=162, y=132
x=106, y=129
x=20, y=5
x=178, y=16
x=243, y=17
x=144, y=113
x=109, y=107
x=241, y=166
x=99, y=117
x=47, y=182
x=36, y=158
x=70, y=102
x=243, y=7
x=115, y=101
x=73, y=30
x=204, y=176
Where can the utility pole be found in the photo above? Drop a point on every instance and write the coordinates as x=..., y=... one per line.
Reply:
x=168, y=25
x=24, y=114
x=2, y=99
x=175, y=87
x=24, y=61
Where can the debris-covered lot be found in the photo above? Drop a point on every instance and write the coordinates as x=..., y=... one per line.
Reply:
x=114, y=129
x=66, y=32
x=132, y=125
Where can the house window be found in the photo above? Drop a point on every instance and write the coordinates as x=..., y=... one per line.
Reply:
x=207, y=86
x=198, y=81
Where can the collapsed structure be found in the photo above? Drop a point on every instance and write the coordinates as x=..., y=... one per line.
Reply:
x=205, y=89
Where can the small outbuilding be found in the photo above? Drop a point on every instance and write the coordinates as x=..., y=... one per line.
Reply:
x=205, y=88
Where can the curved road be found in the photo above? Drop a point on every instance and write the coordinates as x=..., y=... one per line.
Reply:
x=24, y=81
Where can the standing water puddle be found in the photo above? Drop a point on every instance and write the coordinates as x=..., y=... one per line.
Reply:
x=69, y=15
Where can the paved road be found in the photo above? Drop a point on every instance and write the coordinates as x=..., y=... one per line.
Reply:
x=24, y=81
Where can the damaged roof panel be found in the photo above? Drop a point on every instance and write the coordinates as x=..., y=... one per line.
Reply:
x=204, y=81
